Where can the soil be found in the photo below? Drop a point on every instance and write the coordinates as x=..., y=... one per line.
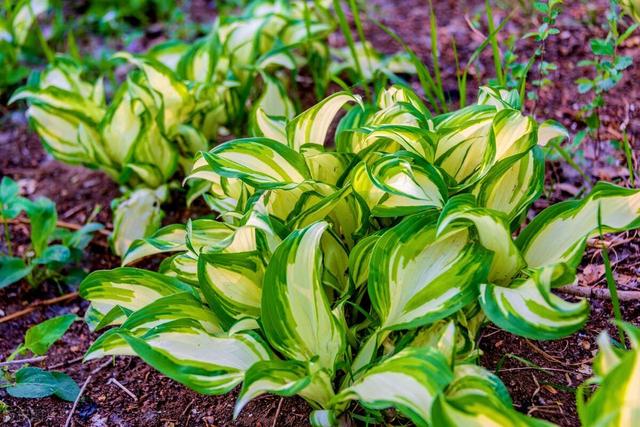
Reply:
x=541, y=376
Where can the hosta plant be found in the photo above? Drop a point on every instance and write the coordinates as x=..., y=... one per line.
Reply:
x=616, y=400
x=177, y=98
x=361, y=274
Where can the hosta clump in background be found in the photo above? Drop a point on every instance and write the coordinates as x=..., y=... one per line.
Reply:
x=174, y=102
x=361, y=273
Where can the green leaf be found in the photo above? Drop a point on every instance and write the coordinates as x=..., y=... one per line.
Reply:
x=35, y=383
x=12, y=269
x=54, y=254
x=43, y=216
x=40, y=337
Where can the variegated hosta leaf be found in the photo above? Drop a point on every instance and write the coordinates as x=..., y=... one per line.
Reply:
x=549, y=131
x=296, y=315
x=513, y=184
x=359, y=259
x=169, y=53
x=417, y=278
x=168, y=239
x=274, y=100
x=114, y=293
x=184, y=351
x=326, y=166
x=474, y=380
x=171, y=95
x=616, y=402
x=412, y=139
x=259, y=162
x=24, y=15
x=269, y=126
x=285, y=378
x=477, y=397
x=499, y=98
x=529, y=309
x=166, y=309
x=409, y=381
x=493, y=233
x=465, y=148
x=232, y=284
x=136, y=217
x=475, y=411
x=396, y=94
x=312, y=126
x=65, y=73
x=559, y=233
x=399, y=184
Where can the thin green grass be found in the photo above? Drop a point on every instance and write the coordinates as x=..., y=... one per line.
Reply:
x=495, y=47
x=611, y=283
x=348, y=35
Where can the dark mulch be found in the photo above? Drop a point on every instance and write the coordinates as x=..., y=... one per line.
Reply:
x=541, y=376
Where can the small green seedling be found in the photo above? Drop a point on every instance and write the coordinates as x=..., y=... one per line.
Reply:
x=33, y=382
x=52, y=249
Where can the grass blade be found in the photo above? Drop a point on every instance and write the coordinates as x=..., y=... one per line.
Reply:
x=497, y=58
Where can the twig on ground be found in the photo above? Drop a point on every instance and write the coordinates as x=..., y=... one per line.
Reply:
x=123, y=388
x=22, y=361
x=99, y=368
x=37, y=304
x=598, y=293
x=66, y=363
x=275, y=419
x=186, y=409
x=75, y=403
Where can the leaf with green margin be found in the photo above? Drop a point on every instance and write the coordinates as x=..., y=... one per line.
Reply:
x=127, y=287
x=312, y=126
x=616, y=402
x=167, y=239
x=493, y=233
x=416, y=278
x=296, y=315
x=409, y=381
x=513, y=184
x=284, y=378
x=232, y=284
x=529, y=309
x=559, y=233
x=166, y=309
x=260, y=162
x=209, y=364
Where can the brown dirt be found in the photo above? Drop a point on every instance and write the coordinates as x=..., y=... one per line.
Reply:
x=544, y=391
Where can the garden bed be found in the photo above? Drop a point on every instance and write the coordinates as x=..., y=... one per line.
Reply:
x=541, y=376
